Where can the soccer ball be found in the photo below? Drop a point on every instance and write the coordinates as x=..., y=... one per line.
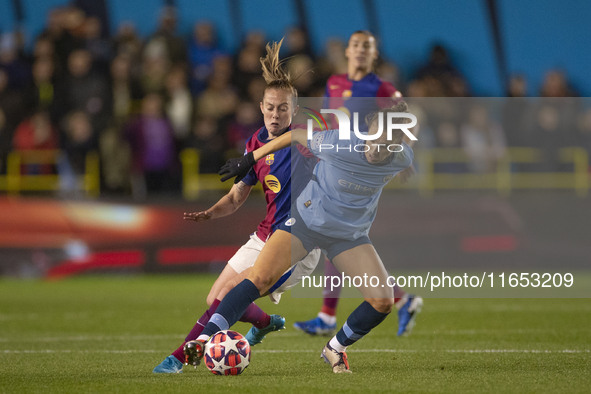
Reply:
x=227, y=353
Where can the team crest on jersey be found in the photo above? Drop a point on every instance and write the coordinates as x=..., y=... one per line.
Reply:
x=318, y=138
x=270, y=159
x=307, y=203
x=273, y=183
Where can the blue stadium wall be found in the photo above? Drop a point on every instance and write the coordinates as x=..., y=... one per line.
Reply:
x=537, y=35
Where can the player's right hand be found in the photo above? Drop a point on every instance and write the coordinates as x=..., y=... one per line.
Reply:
x=237, y=167
x=197, y=216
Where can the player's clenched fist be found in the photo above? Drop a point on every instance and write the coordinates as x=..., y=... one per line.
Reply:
x=237, y=167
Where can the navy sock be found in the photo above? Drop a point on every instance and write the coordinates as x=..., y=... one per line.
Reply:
x=359, y=323
x=232, y=307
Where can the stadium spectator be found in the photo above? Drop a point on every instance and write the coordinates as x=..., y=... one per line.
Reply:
x=442, y=77
x=247, y=68
x=127, y=42
x=553, y=128
x=83, y=89
x=517, y=86
x=164, y=42
x=220, y=98
x=255, y=89
x=203, y=49
x=517, y=113
x=11, y=103
x=125, y=90
x=36, y=133
x=333, y=60
x=12, y=61
x=97, y=45
x=153, y=150
x=240, y=128
x=209, y=141
x=154, y=68
x=44, y=47
x=298, y=43
x=555, y=84
x=78, y=139
x=179, y=103
x=300, y=66
x=482, y=140
x=41, y=90
x=64, y=30
x=388, y=71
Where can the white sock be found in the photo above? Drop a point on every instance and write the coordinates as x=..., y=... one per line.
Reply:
x=328, y=319
x=202, y=338
x=336, y=345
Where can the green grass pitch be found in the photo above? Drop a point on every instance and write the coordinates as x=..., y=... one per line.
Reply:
x=106, y=334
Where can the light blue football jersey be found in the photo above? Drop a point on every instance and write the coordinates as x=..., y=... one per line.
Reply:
x=342, y=198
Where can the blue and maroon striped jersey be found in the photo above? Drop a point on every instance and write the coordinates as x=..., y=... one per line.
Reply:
x=341, y=93
x=274, y=173
x=339, y=85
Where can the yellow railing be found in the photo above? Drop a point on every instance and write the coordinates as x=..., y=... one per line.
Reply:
x=505, y=178
x=15, y=182
x=194, y=182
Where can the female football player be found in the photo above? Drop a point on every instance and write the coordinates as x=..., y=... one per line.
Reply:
x=274, y=173
x=334, y=212
x=341, y=91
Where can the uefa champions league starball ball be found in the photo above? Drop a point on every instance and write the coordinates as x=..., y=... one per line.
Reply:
x=227, y=353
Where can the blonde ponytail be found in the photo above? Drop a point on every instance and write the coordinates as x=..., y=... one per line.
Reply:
x=273, y=71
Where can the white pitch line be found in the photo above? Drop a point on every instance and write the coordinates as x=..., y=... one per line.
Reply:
x=95, y=338
x=180, y=337
x=280, y=351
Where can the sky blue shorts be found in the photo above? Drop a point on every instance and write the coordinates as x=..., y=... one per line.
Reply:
x=312, y=239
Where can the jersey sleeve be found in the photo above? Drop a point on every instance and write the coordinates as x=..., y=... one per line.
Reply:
x=386, y=89
x=387, y=95
x=250, y=178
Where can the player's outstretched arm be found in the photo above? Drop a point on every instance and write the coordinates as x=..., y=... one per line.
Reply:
x=226, y=205
x=239, y=167
x=294, y=136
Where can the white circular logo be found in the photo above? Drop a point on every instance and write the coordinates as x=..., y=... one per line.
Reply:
x=290, y=222
x=318, y=138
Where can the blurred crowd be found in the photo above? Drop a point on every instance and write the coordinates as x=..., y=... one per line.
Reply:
x=139, y=101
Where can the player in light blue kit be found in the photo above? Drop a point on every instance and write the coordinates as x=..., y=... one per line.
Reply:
x=342, y=92
x=334, y=212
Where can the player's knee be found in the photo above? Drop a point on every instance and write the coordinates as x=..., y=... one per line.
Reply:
x=262, y=282
x=382, y=305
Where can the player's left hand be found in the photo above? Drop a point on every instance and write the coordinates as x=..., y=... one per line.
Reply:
x=237, y=167
x=197, y=216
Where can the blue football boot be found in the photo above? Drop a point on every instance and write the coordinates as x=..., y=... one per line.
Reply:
x=408, y=313
x=169, y=365
x=316, y=326
x=256, y=335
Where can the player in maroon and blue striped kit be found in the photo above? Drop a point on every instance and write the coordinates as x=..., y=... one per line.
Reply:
x=359, y=81
x=274, y=173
